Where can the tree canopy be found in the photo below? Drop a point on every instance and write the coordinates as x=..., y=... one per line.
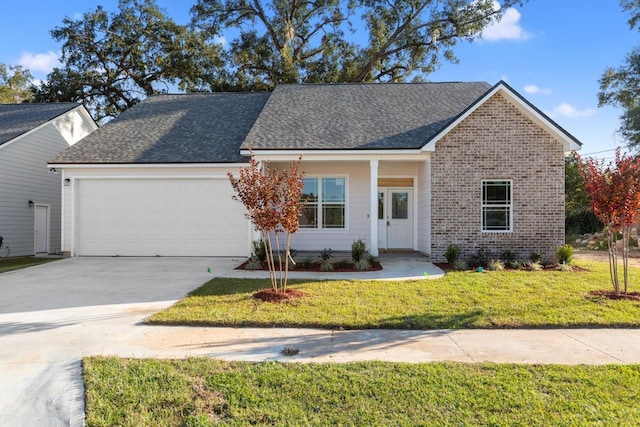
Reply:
x=285, y=41
x=111, y=61
x=620, y=86
x=15, y=84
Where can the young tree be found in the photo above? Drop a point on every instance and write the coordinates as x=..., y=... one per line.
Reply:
x=273, y=202
x=614, y=190
x=331, y=41
x=111, y=61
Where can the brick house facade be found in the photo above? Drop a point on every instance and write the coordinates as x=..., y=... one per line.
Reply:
x=498, y=142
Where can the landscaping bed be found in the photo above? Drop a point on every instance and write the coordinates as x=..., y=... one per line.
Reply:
x=316, y=267
x=206, y=392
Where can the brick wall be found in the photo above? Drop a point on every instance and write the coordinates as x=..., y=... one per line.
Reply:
x=498, y=142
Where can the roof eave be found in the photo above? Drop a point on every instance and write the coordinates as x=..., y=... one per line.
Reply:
x=570, y=142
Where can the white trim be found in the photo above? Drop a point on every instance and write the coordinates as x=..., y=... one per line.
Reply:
x=373, y=206
x=569, y=144
x=337, y=155
x=482, y=206
x=35, y=218
x=144, y=165
x=41, y=126
x=62, y=210
x=347, y=204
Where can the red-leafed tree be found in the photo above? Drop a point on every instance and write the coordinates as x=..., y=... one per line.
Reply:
x=614, y=189
x=273, y=202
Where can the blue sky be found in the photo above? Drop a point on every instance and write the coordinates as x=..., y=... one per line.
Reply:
x=551, y=51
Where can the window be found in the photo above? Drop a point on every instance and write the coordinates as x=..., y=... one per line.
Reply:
x=496, y=206
x=326, y=203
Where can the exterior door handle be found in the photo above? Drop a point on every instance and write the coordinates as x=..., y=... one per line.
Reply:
x=388, y=223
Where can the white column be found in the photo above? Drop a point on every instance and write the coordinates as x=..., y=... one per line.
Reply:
x=373, y=215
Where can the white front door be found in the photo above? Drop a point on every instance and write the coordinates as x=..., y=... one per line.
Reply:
x=41, y=229
x=395, y=218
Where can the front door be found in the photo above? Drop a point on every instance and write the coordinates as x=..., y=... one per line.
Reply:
x=41, y=230
x=395, y=218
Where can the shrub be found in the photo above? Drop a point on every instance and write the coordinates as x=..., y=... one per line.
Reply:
x=496, y=265
x=326, y=254
x=259, y=251
x=536, y=257
x=479, y=259
x=326, y=265
x=358, y=250
x=363, y=264
x=253, y=264
x=508, y=257
x=534, y=266
x=452, y=254
x=307, y=262
x=459, y=266
x=563, y=266
x=564, y=254
x=343, y=263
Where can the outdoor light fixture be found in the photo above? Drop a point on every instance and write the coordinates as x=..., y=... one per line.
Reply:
x=31, y=203
x=53, y=170
x=67, y=182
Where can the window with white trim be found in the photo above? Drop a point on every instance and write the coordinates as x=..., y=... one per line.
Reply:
x=326, y=203
x=497, y=205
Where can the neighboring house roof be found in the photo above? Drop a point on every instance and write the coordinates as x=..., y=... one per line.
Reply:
x=184, y=128
x=18, y=119
x=359, y=116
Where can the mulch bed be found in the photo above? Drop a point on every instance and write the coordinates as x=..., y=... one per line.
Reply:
x=269, y=295
x=375, y=266
x=445, y=266
x=634, y=296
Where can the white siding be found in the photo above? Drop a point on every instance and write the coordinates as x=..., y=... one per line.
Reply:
x=24, y=176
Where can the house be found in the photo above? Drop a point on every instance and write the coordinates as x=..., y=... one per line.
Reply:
x=402, y=166
x=30, y=193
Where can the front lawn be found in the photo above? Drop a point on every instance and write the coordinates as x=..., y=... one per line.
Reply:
x=206, y=392
x=509, y=299
x=9, y=264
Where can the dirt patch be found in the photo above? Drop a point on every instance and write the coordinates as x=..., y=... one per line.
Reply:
x=348, y=268
x=634, y=296
x=269, y=295
x=603, y=256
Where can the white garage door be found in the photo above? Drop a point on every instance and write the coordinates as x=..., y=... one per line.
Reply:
x=166, y=217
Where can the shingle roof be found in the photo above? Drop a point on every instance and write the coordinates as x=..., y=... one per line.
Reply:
x=184, y=128
x=359, y=116
x=17, y=119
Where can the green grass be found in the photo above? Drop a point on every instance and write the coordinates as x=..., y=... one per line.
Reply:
x=206, y=392
x=510, y=299
x=9, y=264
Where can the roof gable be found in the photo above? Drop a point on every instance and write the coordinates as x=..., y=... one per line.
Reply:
x=359, y=116
x=570, y=142
x=179, y=128
x=18, y=119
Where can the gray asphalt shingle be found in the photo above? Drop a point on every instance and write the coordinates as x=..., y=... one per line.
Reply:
x=359, y=116
x=17, y=119
x=184, y=128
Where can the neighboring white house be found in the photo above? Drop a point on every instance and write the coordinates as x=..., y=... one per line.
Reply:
x=400, y=166
x=30, y=192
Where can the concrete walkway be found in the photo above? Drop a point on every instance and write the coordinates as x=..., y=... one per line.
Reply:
x=54, y=314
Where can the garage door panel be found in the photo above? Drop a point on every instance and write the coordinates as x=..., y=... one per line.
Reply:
x=167, y=217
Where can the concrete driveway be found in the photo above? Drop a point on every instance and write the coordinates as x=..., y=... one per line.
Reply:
x=55, y=313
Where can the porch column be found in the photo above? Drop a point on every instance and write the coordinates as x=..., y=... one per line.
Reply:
x=373, y=215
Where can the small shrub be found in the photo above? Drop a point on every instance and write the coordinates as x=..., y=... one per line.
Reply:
x=479, y=259
x=326, y=265
x=508, y=257
x=358, y=250
x=343, y=263
x=563, y=266
x=452, y=254
x=496, y=265
x=326, y=254
x=259, y=252
x=534, y=266
x=564, y=254
x=459, y=266
x=536, y=257
x=253, y=264
x=363, y=264
x=633, y=242
x=307, y=262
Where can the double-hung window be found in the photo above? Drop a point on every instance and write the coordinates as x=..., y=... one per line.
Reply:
x=325, y=203
x=497, y=205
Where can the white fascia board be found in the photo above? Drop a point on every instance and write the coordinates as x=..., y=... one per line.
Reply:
x=143, y=165
x=337, y=155
x=524, y=107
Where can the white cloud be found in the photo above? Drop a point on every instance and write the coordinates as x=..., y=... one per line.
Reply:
x=221, y=40
x=568, y=110
x=508, y=28
x=39, y=62
x=533, y=89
